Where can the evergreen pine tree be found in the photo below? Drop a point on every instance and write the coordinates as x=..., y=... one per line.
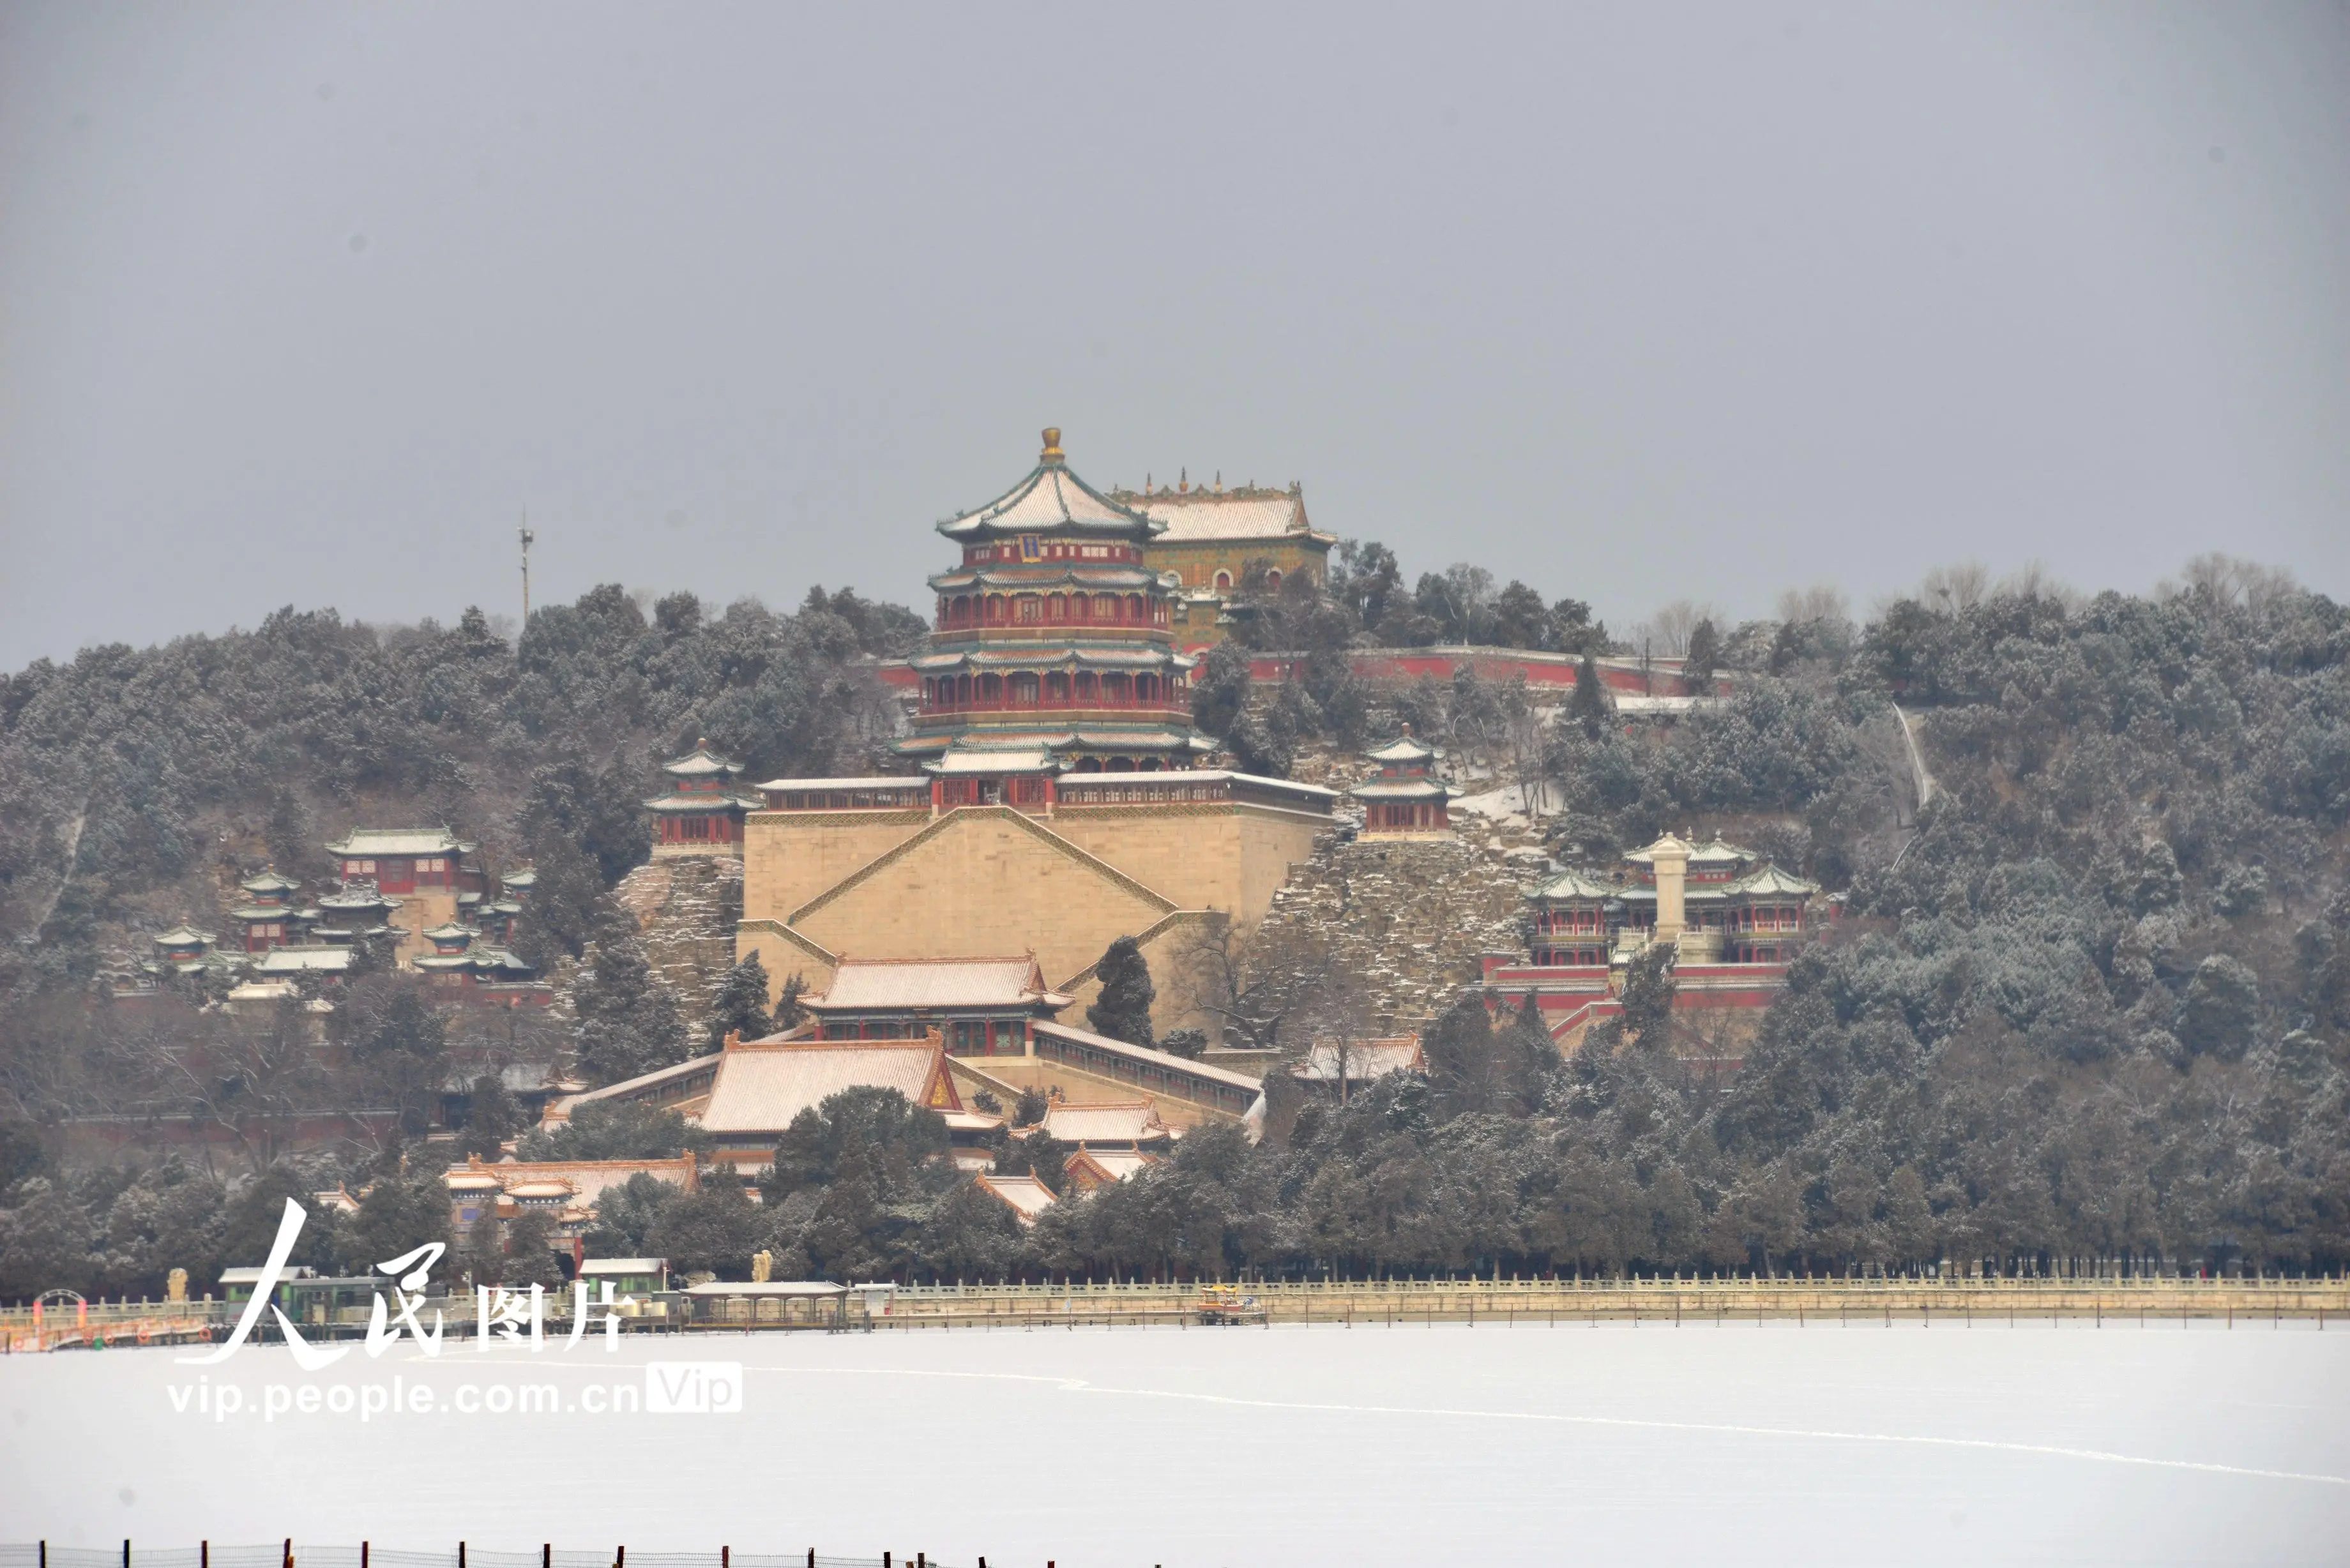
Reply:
x=628, y=1022
x=491, y=1118
x=1588, y=706
x=397, y=1215
x=789, y=1013
x=483, y=1254
x=1649, y=990
x=1704, y=658
x=739, y=1007
x=1122, y=1012
x=1220, y=693
x=1185, y=1043
x=530, y=1252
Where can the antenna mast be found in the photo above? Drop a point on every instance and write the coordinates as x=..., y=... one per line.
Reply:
x=526, y=537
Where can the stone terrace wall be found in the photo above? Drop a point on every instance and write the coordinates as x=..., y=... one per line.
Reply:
x=688, y=906
x=1409, y=919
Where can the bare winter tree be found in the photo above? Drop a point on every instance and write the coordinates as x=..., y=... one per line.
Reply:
x=1328, y=1050
x=1821, y=601
x=2033, y=581
x=2230, y=580
x=1264, y=992
x=1954, y=589
x=1669, y=627
x=1526, y=734
x=255, y=1076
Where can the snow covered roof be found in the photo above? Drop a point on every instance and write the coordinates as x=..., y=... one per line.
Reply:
x=1768, y=879
x=1145, y=1057
x=1403, y=749
x=878, y=781
x=251, y=1273
x=365, y=841
x=689, y=801
x=887, y=984
x=1359, y=1060
x=1719, y=853
x=1025, y=1195
x=1667, y=844
x=1110, y=1164
x=268, y=881
x=763, y=1083
x=963, y=762
x=1574, y=885
x=1221, y=515
x=583, y=1179
x=1050, y=499
x=1134, y=1121
x=305, y=960
x=1633, y=705
x=1401, y=789
x=701, y=762
x=183, y=936
x=790, y=1289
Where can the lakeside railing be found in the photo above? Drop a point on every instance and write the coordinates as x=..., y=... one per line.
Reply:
x=116, y=1325
x=1685, y=1299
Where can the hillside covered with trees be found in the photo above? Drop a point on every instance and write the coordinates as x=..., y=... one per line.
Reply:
x=2089, y=996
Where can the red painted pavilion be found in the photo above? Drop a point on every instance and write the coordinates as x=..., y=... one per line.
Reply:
x=1053, y=648
x=703, y=813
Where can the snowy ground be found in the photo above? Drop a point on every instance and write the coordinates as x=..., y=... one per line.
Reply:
x=1756, y=1444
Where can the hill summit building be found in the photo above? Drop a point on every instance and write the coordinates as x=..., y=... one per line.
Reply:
x=1057, y=805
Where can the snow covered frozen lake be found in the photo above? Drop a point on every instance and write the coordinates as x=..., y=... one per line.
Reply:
x=1418, y=1445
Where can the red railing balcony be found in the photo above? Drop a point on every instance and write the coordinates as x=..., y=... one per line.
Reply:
x=1070, y=707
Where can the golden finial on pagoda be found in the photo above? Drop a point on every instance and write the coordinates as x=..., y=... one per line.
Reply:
x=1053, y=444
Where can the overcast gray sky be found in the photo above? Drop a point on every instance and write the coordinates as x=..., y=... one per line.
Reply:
x=306, y=303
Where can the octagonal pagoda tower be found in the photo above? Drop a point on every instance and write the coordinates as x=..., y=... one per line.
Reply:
x=1054, y=647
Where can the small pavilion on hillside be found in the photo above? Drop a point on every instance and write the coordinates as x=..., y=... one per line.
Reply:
x=268, y=915
x=703, y=811
x=1405, y=799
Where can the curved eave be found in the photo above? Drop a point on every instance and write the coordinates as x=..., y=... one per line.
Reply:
x=1046, y=576
x=1401, y=789
x=1049, y=657
x=687, y=804
x=1581, y=890
x=1041, y=504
